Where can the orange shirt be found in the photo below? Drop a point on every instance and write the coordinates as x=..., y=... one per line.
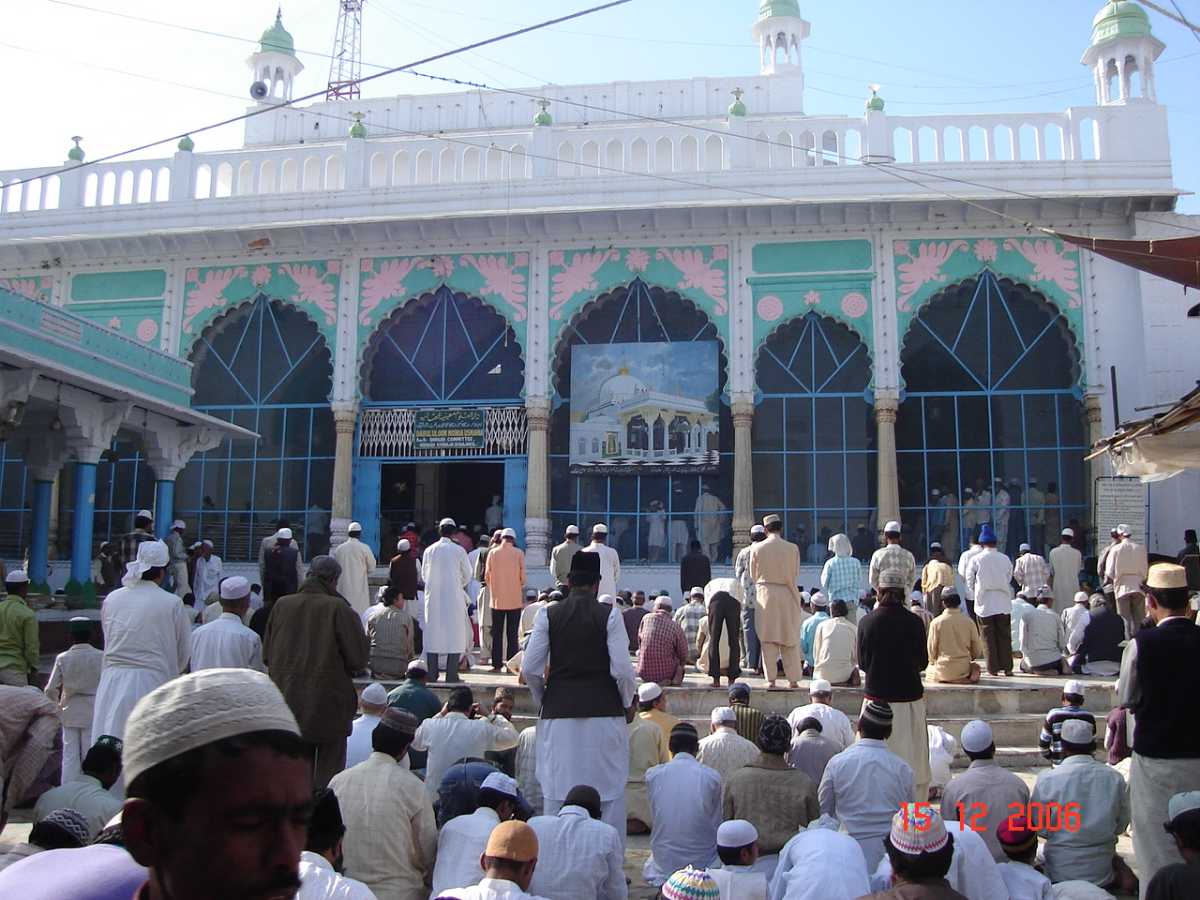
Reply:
x=504, y=575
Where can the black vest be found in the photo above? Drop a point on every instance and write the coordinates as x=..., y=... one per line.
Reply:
x=1168, y=679
x=580, y=684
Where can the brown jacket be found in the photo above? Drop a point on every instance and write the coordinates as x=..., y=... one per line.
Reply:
x=953, y=642
x=777, y=800
x=313, y=647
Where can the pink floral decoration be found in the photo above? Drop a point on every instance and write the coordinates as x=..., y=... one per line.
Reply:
x=812, y=298
x=924, y=268
x=501, y=278
x=22, y=287
x=260, y=276
x=699, y=275
x=388, y=282
x=637, y=260
x=1050, y=263
x=47, y=282
x=770, y=308
x=558, y=258
x=521, y=259
x=902, y=248
x=854, y=305
x=443, y=266
x=311, y=287
x=208, y=293
x=720, y=251
x=193, y=275
x=986, y=250
x=366, y=265
x=333, y=267
x=147, y=330
x=114, y=323
x=577, y=277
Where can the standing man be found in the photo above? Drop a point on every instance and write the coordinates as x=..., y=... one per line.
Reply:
x=266, y=544
x=633, y=618
x=504, y=574
x=560, y=556
x=1065, y=565
x=585, y=696
x=1102, y=561
x=402, y=571
x=358, y=563
x=1031, y=571
x=1035, y=502
x=179, y=558
x=1189, y=558
x=841, y=577
x=723, y=616
x=893, y=558
x=226, y=643
x=964, y=562
x=1126, y=568
x=937, y=578
x=989, y=579
x=694, y=569
x=752, y=652
x=892, y=652
x=19, y=649
x=314, y=647
x=952, y=532
x=775, y=569
x=1159, y=683
x=483, y=597
x=446, y=572
x=143, y=524
x=610, y=563
x=688, y=618
x=72, y=685
x=207, y=574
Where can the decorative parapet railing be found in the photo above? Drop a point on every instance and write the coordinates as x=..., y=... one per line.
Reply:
x=38, y=331
x=608, y=149
x=421, y=432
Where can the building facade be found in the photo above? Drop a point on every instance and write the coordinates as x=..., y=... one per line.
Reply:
x=391, y=294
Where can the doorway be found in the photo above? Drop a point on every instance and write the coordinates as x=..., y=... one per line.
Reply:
x=426, y=492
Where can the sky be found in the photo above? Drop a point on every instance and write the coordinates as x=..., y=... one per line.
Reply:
x=94, y=68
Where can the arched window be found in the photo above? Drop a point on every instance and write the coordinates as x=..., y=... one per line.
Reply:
x=992, y=407
x=443, y=348
x=265, y=367
x=651, y=517
x=814, y=438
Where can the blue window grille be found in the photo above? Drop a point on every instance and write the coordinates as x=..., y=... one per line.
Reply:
x=814, y=437
x=992, y=407
x=124, y=485
x=264, y=367
x=16, y=499
x=651, y=518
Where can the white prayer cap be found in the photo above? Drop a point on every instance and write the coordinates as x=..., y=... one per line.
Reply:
x=649, y=691
x=353, y=528
x=501, y=784
x=936, y=492
x=196, y=546
x=235, y=588
x=757, y=529
x=968, y=491
x=664, y=602
x=284, y=534
x=509, y=533
x=1073, y=687
x=404, y=546
x=1124, y=530
x=608, y=598
x=1078, y=731
x=379, y=593
x=820, y=686
x=976, y=736
x=891, y=528
x=447, y=522
x=697, y=592
x=936, y=545
x=417, y=665
x=1068, y=532
x=145, y=514
x=150, y=554
x=1082, y=597
x=736, y=833
x=820, y=599
x=1024, y=548
x=178, y=525
x=572, y=529
x=375, y=694
x=207, y=543
x=1181, y=803
x=198, y=709
x=16, y=576
x=599, y=528
x=722, y=715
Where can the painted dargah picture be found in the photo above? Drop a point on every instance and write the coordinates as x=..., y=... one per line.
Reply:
x=644, y=408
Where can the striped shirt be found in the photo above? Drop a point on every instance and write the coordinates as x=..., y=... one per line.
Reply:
x=688, y=618
x=1031, y=571
x=749, y=720
x=1050, y=740
x=391, y=634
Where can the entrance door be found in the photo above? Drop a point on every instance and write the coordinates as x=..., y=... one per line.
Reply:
x=426, y=492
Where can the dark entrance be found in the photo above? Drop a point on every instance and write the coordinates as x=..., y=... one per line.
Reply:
x=426, y=492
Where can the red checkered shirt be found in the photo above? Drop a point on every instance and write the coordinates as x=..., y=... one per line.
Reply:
x=662, y=647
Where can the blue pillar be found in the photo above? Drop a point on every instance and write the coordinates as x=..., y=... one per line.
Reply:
x=164, y=507
x=368, y=481
x=81, y=528
x=516, y=476
x=39, y=541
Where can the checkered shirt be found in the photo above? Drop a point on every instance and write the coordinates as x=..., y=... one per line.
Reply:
x=662, y=647
x=688, y=618
x=891, y=558
x=130, y=542
x=1031, y=571
x=842, y=578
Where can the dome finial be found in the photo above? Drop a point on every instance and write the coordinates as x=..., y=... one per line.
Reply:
x=75, y=154
x=358, y=129
x=543, y=117
x=186, y=144
x=875, y=103
x=737, y=107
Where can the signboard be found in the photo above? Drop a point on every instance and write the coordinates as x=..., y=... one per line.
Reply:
x=449, y=429
x=1120, y=501
x=646, y=408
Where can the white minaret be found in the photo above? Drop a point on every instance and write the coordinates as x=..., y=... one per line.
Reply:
x=780, y=32
x=274, y=64
x=1122, y=47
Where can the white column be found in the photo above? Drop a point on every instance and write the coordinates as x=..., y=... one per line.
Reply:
x=743, y=470
x=537, y=508
x=169, y=447
x=345, y=415
x=886, y=407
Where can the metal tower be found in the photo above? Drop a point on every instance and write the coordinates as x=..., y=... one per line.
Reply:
x=345, y=66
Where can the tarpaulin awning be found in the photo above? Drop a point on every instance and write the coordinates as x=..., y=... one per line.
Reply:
x=1157, y=448
x=1176, y=259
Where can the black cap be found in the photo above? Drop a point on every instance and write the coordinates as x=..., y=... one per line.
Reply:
x=585, y=563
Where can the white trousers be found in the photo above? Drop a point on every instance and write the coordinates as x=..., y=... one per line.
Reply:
x=76, y=743
x=180, y=574
x=611, y=811
x=1152, y=783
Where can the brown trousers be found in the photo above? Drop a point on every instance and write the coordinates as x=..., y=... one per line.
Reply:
x=997, y=641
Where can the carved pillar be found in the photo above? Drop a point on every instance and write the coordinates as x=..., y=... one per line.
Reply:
x=743, y=470
x=886, y=407
x=168, y=448
x=537, y=507
x=345, y=415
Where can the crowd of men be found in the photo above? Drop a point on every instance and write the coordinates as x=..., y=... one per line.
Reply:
x=232, y=754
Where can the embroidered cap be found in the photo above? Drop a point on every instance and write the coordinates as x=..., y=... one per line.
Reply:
x=691, y=884
x=913, y=835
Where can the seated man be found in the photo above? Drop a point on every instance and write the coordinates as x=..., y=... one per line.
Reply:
x=319, y=879
x=1019, y=844
x=646, y=750
x=835, y=647
x=1043, y=643
x=953, y=644
x=737, y=879
x=920, y=859
x=1099, y=652
x=1179, y=880
x=811, y=751
x=983, y=793
x=835, y=724
x=372, y=702
x=507, y=865
x=652, y=707
x=579, y=856
x=662, y=646
x=463, y=838
x=88, y=794
x=724, y=749
x=1050, y=738
x=820, y=864
x=460, y=732
x=1101, y=798
x=685, y=801
x=390, y=630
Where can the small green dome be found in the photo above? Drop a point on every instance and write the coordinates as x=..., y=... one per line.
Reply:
x=358, y=129
x=277, y=39
x=737, y=107
x=769, y=8
x=186, y=144
x=875, y=104
x=75, y=154
x=1120, y=18
x=543, y=117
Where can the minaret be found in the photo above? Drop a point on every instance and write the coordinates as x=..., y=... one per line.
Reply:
x=780, y=31
x=1122, y=46
x=274, y=64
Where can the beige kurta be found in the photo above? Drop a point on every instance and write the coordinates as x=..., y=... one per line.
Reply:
x=645, y=751
x=775, y=570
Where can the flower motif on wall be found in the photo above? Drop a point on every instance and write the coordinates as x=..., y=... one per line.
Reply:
x=902, y=248
x=333, y=267
x=986, y=250
x=637, y=260
x=386, y=283
x=577, y=276
x=193, y=276
x=720, y=252
x=209, y=293
x=366, y=265
x=260, y=276
x=311, y=287
x=924, y=268
x=698, y=274
x=1050, y=263
x=114, y=324
x=854, y=305
x=812, y=298
x=501, y=279
x=443, y=266
x=147, y=330
x=23, y=287
x=770, y=308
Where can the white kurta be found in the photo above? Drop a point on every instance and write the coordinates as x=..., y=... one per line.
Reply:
x=226, y=644
x=357, y=562
x=147, y=642
x=446, y=572
x=207, y=577
x=1065, y=565
x=820, y=864
x=610, y=566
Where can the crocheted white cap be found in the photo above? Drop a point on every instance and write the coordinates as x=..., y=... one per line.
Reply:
x=198, y=709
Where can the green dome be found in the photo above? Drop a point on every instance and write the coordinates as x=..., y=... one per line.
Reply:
x=769, y=8
x=543, y=117
x=277, y=39
x=1120, y=18
x=358, y=129
x=75, y=154
x=875, y=104
x=186, y=144
x=737, y=107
